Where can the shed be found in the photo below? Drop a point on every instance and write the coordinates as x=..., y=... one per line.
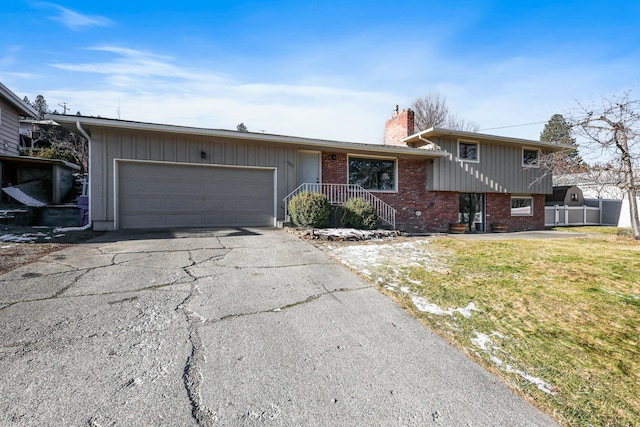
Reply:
x=569, y=195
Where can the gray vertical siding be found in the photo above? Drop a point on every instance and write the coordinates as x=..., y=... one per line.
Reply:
x=9, y=130
x=108, y=144
x=498, y=171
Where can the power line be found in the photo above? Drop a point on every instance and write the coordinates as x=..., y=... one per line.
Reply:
x=514, y=126
x=582, y=117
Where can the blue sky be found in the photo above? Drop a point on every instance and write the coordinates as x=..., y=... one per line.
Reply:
x=325, y=69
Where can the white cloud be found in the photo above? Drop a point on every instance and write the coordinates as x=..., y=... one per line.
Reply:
x=143, y=86
x=76, y=21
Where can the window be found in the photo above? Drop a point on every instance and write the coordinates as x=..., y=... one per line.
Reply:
x=522, y=206
x=530, y=157
x=372, y=174
x=468, y=151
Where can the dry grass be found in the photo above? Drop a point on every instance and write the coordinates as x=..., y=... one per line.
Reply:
x=565, y=311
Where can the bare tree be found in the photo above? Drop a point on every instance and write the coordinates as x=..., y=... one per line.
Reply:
x=62, y=144
x=431, y=110
x=613, y=128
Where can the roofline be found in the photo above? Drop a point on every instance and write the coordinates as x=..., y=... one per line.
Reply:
x=252, y=136
x=28, y=159
x=435, y=131
x=22, y=106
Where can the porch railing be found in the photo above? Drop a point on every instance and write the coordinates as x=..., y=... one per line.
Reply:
x=338, y=194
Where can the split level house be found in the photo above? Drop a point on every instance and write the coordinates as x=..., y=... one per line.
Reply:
x=145, y=175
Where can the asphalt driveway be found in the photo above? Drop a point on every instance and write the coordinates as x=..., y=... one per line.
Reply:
x=225, y=327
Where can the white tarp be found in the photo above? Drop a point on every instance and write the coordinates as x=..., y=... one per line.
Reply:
x=22, y=197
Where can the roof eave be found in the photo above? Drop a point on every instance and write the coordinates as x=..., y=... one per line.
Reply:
x=435, y=132
x=252, y=136
x=20, y=105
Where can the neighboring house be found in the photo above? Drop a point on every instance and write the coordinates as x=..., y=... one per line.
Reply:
x=596, y=183
x=145, y=175
x=11, y=108
x=28, y=180
x=31, y=131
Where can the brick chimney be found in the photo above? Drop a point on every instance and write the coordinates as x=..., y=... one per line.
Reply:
x=399, y=126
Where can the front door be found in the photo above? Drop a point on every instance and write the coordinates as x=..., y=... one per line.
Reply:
x=309, y=167
x=472, y=211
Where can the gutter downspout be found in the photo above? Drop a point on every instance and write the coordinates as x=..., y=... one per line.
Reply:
x=86, y=136
x=429, y=142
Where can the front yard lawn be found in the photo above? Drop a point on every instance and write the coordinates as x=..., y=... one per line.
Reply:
x=557, y=319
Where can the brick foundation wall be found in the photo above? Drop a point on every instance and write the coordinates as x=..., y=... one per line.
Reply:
x=499, y=210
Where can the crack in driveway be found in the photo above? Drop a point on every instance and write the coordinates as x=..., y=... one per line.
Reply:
x=192, y=375
x=307, y=300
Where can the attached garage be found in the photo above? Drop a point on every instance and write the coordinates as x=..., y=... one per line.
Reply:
x=153, y=194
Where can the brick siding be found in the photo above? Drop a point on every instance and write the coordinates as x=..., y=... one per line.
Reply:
x=437, y=208
x=499, y=210
x=334, y=171
x=399, y=126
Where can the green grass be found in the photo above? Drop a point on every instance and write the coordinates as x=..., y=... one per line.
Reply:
x=566, y=311
x=596, y=229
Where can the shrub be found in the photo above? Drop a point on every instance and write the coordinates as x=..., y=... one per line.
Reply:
x=309, y=209
x=360, y=214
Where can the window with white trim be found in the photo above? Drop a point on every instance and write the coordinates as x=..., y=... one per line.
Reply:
x=373, y=173
x=468, y=151
x=530, y=157
x=522, y=206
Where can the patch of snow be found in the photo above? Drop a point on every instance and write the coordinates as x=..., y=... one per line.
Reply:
x=539, y=383
x=466, y=311
x=497, y=361
x=618, y=294
x=425, y=306
x=483, y=342
x=405, y=254
x=23, y=238
x=66, y=229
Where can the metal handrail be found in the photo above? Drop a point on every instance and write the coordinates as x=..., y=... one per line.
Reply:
x=338, y=194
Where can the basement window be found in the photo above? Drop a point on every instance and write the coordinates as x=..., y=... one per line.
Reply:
x=522, y=206
x=373, y=174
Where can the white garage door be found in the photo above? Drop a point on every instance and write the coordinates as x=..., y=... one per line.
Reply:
x=169, y=195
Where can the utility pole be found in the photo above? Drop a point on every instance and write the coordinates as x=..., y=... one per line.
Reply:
x=64, y=106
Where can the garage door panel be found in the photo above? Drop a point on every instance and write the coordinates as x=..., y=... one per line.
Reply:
x=163, y=195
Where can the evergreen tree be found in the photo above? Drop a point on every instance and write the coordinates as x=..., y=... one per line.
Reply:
x=242, y=128
x=40, y=105
x=558, y=131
